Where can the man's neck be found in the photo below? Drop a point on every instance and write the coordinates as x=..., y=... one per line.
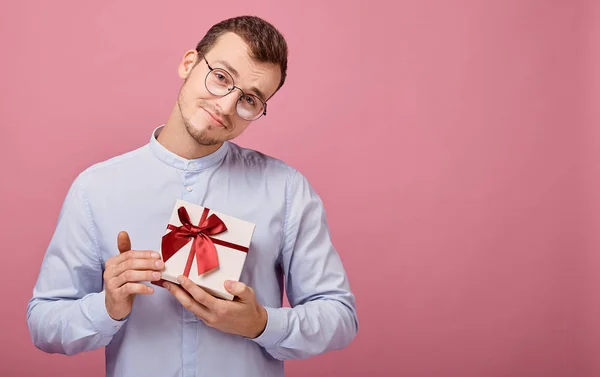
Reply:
x=175, y=138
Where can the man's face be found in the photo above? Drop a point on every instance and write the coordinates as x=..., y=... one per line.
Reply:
x=211, y=119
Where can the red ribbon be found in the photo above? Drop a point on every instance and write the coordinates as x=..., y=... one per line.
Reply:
x=203, y=247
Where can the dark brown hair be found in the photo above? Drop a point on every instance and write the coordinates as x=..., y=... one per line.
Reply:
x=265, y=42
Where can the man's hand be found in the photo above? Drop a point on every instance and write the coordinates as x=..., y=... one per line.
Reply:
x=122, y=274
x=242, y=316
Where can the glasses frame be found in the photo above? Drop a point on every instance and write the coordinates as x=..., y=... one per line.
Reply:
x=230, y=90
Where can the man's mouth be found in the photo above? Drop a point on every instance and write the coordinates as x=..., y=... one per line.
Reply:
x=218, y=121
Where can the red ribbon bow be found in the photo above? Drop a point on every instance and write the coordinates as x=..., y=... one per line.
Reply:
x=203, y=247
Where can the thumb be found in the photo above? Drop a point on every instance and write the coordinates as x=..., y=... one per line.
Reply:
x=239, y=289
x=123, y=242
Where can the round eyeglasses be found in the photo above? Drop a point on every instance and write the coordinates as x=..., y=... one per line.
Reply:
x=219, y=83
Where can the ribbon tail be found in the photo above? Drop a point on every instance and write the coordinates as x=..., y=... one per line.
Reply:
x=206, y=254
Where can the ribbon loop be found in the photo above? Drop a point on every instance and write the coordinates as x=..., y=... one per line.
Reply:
x=203, y=248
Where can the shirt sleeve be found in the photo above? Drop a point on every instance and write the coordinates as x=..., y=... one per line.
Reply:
x=67, y=312
x=322, y=316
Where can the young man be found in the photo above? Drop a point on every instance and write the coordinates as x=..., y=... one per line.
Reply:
x=93, y=288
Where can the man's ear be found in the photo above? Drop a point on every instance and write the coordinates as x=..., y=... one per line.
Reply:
x=187, y=63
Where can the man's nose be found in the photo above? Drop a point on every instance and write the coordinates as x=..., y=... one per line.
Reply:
x=228, y=103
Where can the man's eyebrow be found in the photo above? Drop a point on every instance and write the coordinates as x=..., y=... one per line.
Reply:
x=258, y=93
x=228, y=66
x=235, y=73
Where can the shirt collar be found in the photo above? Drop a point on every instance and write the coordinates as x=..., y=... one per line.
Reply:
x=181, y=163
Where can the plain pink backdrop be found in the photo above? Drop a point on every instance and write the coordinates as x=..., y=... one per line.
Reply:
x=451, y=142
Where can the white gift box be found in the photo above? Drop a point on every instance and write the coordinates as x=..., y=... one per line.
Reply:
x=229, y=253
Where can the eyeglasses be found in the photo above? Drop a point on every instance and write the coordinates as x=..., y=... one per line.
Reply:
x=220, y=83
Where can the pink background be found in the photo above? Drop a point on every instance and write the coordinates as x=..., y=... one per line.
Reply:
x=451, y=142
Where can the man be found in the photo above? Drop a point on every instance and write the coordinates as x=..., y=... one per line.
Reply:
x=93, y=289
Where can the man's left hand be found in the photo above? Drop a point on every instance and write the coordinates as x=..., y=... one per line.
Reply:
x=243, y=316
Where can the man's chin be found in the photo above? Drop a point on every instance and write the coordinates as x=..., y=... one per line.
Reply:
x=204, y=135
x=207, y=142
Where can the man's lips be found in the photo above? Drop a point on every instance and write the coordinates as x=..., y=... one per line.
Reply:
x=217, y=120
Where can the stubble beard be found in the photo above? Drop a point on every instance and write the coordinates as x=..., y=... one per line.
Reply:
x=200, y=136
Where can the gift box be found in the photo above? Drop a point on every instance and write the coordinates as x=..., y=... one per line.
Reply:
x=206, y=246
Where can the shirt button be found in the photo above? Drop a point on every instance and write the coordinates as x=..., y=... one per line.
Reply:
x=189, y=188
x=192, y=166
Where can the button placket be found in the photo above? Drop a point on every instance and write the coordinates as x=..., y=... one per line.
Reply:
x=190, y=322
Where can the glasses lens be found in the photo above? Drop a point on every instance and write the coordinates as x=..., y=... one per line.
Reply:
x=219, y=82
x=250, y=107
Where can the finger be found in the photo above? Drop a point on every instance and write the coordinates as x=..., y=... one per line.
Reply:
x=136, y=254
x=137, y=264
x=131, y=254
x=240, y=290
x=135, y=276
x=199, y=294
x=133, y=264
x=123, y=242
x=140, y=264
x=134, y=289
x=188, y=302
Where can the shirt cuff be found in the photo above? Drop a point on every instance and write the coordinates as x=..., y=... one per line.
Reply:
x=95, y=306
x=277, y=325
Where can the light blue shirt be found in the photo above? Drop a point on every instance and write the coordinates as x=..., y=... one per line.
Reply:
x=136, y=192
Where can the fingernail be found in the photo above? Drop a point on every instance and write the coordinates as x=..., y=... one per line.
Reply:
x=229, y=284
x=158, y=263
x=180, y=279
x=155, y=255
x=150, y=289
x=156, y=275
x=167, y=286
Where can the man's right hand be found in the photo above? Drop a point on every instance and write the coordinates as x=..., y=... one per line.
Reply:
x=122, y=274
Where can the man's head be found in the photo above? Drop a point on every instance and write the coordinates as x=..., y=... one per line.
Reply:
x=238, y=65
